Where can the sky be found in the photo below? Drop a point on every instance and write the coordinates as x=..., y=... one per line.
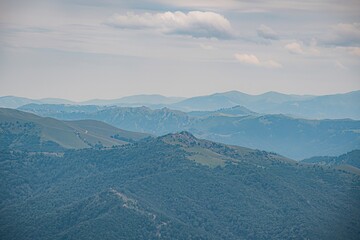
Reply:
x=86, y=49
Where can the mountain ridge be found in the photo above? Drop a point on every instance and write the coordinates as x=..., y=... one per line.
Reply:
x=276, y=132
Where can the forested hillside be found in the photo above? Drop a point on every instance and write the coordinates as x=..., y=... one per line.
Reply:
x=174, y=187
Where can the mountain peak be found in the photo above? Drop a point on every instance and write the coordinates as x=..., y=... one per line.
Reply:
x=183, y=138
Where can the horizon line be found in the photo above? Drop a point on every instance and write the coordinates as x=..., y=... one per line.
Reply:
x=167, y=96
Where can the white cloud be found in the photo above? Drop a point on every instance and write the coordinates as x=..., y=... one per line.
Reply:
x=194, y=23
x=247, y=58
x=251, y=59
x=294, y=48
x=267, y=33
x=309, y=49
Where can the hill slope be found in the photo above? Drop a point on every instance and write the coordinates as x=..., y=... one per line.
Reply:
x=174, y=187
x=28, y=131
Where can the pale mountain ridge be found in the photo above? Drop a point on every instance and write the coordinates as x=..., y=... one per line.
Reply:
x=15, y=102
x=334, y=106
x=232, y=98
x=142, y=99
x=134, y=100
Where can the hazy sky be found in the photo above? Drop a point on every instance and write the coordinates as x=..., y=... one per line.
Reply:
x=84, y=49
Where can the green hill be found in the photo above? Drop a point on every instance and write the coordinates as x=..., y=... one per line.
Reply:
x=174, y=187
x=21, y=130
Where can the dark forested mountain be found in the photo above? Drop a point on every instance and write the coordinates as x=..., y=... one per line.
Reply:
x=279, y=133
x=21, y=130
x=351, y=159
x=174, y=187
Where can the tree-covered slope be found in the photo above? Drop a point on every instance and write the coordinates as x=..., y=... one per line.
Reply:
x=170, y=188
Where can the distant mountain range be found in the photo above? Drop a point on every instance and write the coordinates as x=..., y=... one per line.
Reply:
x=292, y=137
x=336, y=106
x=313, y=107
x=174, y=187
x=232, y=98
x=136, y=100
x=26, y=131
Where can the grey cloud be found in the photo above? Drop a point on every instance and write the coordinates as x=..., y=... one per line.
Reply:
x=343, y=34
x=267, y=33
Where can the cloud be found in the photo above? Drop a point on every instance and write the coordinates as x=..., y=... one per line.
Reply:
x=251, y=59
x=294, y=48
x=267, y=33
x=195, y=23
x=339, y=65
x=247, y=58
x=343, y=34
x=207, y=46
x=309, y=49
x=355, y=51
